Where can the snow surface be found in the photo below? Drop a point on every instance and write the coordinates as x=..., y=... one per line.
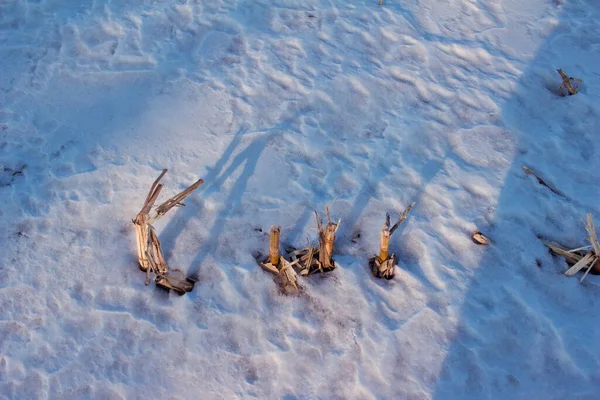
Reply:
x=282, y=106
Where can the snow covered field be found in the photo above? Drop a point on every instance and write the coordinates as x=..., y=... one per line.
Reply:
x=282, y=106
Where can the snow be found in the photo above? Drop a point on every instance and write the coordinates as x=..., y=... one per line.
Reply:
x=284, y=106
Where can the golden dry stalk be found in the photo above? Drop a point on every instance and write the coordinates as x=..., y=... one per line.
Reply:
x=140, y=224
x=278, y=265
x=317, y=257
x=150, y=256
x=384, y=246
x=155, y=256
x=326, y=241
x=274, y=245
x=567, y=84
x=382, y=266
x=285, y=275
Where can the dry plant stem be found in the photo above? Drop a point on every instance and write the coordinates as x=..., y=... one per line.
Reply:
x=387, y=232
x=274, y=245
x=315, y=258
x=580, y=249
x=541, y=181
x=592, y=236
x=326, y=240
x=401, y=219
x=150, y=255
x=175, y=200
x=567, y=83
x=311, y=254
x=593, y=239
x=141, y=235
x=384, y=246
x=579, y=265
x=589, y=269
x=151, y=268
x=141, y=222
x=154, y=256
x=577, y=260
x=153, y=194
x=572, y=258
x=306, y=258
x=383, y=265
x=155, y=253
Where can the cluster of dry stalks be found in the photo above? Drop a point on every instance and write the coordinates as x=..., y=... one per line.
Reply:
x=317, y=257
x=582, y=258
x=150, y=256
x=306, y=261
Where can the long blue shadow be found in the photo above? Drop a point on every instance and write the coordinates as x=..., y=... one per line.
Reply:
x=515, y=336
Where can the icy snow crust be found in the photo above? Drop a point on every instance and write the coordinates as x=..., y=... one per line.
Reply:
x=281, y=106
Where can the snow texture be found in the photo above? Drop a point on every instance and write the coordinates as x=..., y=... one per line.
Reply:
x=283, y=106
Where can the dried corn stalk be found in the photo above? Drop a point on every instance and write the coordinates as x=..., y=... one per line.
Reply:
x=305, y=258
x=571, y=256
x=326, y=240
x=141, y=222
x=567, y=84
x=318, y=257
x=278, y=265
x=271, y=263
x=150, y=256
x=582, y=263
x=528, y=171
x=382, y=266
x=274, y=245
x=154, y=256
x=576, y=257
